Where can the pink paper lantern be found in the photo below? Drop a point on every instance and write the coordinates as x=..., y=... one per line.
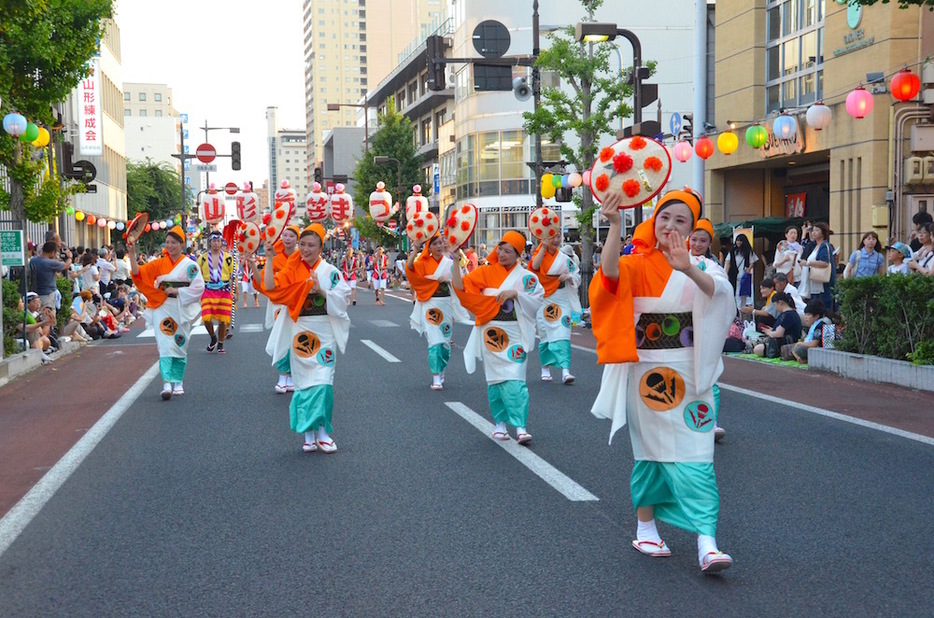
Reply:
x=683, y=151
x=859, y=103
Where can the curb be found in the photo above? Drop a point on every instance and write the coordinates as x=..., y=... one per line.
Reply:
x=872, y=368
x=11, y=367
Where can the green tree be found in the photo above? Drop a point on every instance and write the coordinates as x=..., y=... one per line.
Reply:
x=902, y=4
x=591, y=99
x=395, y=138
x=153, y=188
x=44, y=49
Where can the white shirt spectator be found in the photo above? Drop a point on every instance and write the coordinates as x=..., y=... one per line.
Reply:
x=106, y=269
x=122, y=269
x=897, y=269
x=89, y=279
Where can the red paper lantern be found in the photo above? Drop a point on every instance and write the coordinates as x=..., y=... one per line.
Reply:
x=859, y=103
x=905, y=85
x=704, y=147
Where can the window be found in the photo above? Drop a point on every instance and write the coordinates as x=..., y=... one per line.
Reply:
x=126, y=96
x=142, y=96
x=142, y=113
x=127, y=112
x=794, y=54
x=158, y=113
x=157, y=97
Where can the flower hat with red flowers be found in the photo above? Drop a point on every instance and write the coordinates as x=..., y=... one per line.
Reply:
x=422, y=226
x=249, y=238
x=460, y=224
x=545, y=223
x=637, y=167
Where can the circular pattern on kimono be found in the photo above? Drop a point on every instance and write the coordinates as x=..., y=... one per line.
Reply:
x=653, y=331
x=687, y=337
x=168, y=326
x=446, y=329
x=335, y=279
x=327, y=357
x=312, y=301
x=306, y=344
x=529, y=282
x=699, y=416
x=495, y=339
x=180, y=340
x=517, y=354
x=702, y=265
x=192, y=271
x=552, y=312
x=671, y=325
x=434, y=316
x=661, y=389
x=571, y=266
x=566, y=321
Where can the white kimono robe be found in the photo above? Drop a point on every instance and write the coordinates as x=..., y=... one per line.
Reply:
x=557, y=327
x=172, y=320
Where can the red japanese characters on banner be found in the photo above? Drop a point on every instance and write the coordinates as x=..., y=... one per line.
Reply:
x=415, y=202
x=90, y=139
x=380, y=203
x=318, y=204
x=794, y=204
x=341, y=205
x=285, y=194
x=247, y=205
x=212, y=205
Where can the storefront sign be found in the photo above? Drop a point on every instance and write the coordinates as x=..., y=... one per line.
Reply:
x=775, y=147
x=90, y=136
x=11, y=248
x=794, y=204
x=856, y=39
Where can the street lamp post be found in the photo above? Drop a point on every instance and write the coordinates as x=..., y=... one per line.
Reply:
x=335, y=107
x=383, y=160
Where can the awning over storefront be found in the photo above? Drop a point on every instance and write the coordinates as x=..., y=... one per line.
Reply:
x=763, y=226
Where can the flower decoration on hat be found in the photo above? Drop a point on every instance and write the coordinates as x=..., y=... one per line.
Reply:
x=460, y=224
x=636, y=167
x=544, y=223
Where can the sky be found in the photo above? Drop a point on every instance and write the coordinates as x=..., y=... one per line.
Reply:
x=226, y=61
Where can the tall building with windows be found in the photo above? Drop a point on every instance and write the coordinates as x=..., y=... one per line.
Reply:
x=852, y=172
x=287, y=158
x=151, y=123
x=350, y=46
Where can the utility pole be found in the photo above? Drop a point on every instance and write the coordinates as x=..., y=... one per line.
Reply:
x=536, y=102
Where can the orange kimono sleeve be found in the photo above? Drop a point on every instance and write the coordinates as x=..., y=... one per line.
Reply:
x=418, y=277
x=472, y=297
x=611, y=313
x=145, y=281
x=292, y=286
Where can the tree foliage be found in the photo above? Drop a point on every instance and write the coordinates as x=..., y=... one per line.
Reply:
x=153, y=188
x=44, y=49
x=902, y=4
x=592, y=97
x=395, y=138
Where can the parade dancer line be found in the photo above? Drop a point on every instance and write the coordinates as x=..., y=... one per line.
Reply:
x=279, y=344
x=349, y=266
x=504, y=297
x=216, y=268
x=173, y=286
x=660, y=323
x=380, y=275
x=316, y=297
x=429, y=272
x=560, y=279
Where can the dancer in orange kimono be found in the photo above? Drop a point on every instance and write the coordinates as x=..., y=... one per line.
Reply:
x=560, y=278
x=660, y=322
x=173, y=286
x=277, y=316
x=504, y=297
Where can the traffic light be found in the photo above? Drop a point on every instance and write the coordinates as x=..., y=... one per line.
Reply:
x=687, y=128
x=235, y=156
x=319, y=176
x=435, y=47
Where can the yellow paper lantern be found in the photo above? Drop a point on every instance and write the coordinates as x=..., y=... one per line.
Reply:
x=79, y=216
x=727, y=142
x=43, y=140
x=548, y=186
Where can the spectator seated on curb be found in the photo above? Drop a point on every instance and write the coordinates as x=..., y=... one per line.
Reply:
x=38, y=324
x=782, y=285
x=815, y=320
x=86, y=312
x=898, y=253
x=786, y=330
x=767, y=315
x=120, y=308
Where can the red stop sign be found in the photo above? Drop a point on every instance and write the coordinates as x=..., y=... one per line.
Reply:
x=230, y=188
x=392, y=224
x=205, y=153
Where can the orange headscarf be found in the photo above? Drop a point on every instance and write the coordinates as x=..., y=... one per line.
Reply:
x=314, y=228
x=178, y=233
x=704, y=225
x=513, y=238
x=490, y=275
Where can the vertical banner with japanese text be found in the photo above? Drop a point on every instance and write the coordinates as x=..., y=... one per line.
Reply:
x=90, y=137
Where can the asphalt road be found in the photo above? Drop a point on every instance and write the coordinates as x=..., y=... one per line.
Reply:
x=205, y=505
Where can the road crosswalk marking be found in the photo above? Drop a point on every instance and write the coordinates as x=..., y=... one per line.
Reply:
x=384, y=324
x=382, y=352
x=548, y=473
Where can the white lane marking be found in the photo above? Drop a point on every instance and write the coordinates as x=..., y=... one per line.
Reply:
x=548, y=473
x=380, y=351
x=201, y=330
x=815, y=410
x=29, y=506
x=407, y=299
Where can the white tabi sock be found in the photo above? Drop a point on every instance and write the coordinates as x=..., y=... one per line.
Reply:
x=546, y=372
x=283, y=380
x=288, y=380
x=309, y=437
x=323, y=435
x=178, y=385
x=167, y=386
x=565, y=373
x=647, y=531
x=436, y=379
x=705, y=545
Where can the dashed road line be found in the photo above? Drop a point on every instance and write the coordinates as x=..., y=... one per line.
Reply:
x=382, y=352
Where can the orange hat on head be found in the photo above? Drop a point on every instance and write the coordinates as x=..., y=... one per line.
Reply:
x=704, y=225
x=314, y=228
x=178, y=233
x=512, y=238
x=644, y=236
x=295, y=229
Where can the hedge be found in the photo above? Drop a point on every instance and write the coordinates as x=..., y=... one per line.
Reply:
x=891, y=317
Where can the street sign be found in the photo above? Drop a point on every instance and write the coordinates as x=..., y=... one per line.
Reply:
x=185, y=133
x=436, y=176
x=205, y=153
x=205, y=167
x=11, y=248
x=184, y=118
x=230, y=188
x=675, y=124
